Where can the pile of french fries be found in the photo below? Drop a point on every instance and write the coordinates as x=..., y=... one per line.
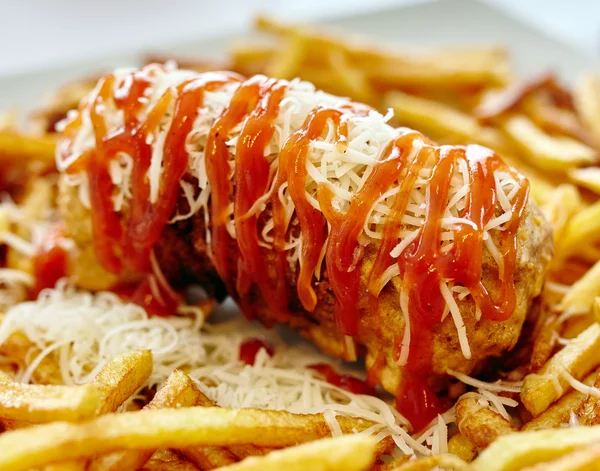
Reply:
x=551, y=133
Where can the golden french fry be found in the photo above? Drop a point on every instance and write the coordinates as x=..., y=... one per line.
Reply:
x=447, y=68
x=159, y=428
x=122, y=377
x=432, y=463
x=284, y=63
x=587, y=412
x=554, y=154
x=18, y=347
x=438, y=120
x=391, y=465
x=560, y=412
x=5, y=377
x=14, y=147
x=178, y=391
x=555, y=120
x=588, y=177
x=79, y=465
x=462, y=447
x=586, y=96
x=47, y=403
x=478, y=423
x=516, y=451
x=348, y=452
x=351, y=79
x=543, y=344
x=582, y=229
x=585, y=458
x=562, y=204
x=209, y=457
x=166, y=460
x=581, y=295
x=67, y=97
x=498, y=102
x=577, y=358
x=204, y=456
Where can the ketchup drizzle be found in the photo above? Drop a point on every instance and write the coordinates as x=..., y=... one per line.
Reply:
x=125, y=241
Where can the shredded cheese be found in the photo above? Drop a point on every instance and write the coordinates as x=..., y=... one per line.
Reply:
x=578, y=385
x=84, y=331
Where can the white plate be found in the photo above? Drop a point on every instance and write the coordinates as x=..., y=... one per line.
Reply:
x=436, y=23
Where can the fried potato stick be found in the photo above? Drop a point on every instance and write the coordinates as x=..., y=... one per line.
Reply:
x=463, y=447
x=37, y=403
x=560, y=412
x=585, y=458
x=518, y=450
x=577, y=358
x=19, y=348
x=167, y=460
x=432, y=463
x=478, y=423
x=548, y=153
x=581, y=295
x=178, y=391
x=161, y=428
x=348, y=452
x=122, y=377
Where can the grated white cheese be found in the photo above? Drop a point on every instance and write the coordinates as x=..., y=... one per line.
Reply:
x=84, y=331
x=498, y=386
x=578, y=385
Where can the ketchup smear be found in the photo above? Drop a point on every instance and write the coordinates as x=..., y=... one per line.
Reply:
x=250, y=348
x=346, y=382
x=51, y=260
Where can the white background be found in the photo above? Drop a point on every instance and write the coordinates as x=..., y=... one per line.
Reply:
x=40, y=33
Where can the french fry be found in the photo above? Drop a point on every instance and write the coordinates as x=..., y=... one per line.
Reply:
x=555, y=120
x=563, y=203
x=462, y=447
x=518, y=450
x=348, y=452
x=18, y=347
x=448, y=68
x=122, y=377
x=578, y=358
x=582, y=229
x=14, y=146
x=438, y=120
x=548, y=153
x=47, y=403
x=213, y=455
x=391, y=465
x=79, y=465
x=581, y=295
x=585, y=458
x=65, y=98
x=159, y=428
x=284, y=63
x=560, y=412
x=508, y=99
x=588, y=177
x=589, y=410
x=432, y=463
x=166, y=460
x=478, y=423
x=586, y=96
x=209, y=457
x=178, y=391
